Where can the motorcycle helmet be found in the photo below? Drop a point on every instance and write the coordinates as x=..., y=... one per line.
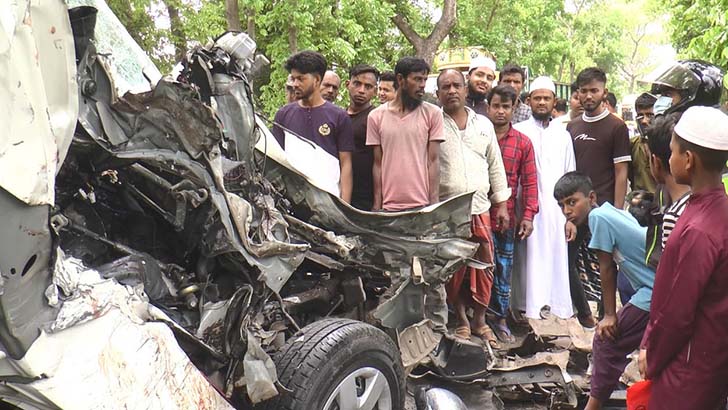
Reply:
x=697, y=81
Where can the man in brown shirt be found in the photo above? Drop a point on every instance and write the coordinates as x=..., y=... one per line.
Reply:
x=601, y=140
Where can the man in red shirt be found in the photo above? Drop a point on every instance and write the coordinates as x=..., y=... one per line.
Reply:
x=684, y=350
x=520, y=166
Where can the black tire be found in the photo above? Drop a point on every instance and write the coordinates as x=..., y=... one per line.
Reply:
x=321, y=355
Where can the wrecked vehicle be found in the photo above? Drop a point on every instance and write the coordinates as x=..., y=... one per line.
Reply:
x=161, y=251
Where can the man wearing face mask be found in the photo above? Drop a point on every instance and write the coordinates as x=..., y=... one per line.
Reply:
x=682, y=84
x=480, y=80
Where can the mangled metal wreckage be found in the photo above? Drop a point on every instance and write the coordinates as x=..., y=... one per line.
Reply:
x=178, y=260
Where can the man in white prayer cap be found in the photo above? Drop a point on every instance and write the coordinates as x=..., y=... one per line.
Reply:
x=683, y=349
x=541, y=271
x=481, y=75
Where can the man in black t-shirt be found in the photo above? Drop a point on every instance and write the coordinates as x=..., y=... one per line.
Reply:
x=362, y=86
x=602, y=151
x=317, y=120
x=601, y=140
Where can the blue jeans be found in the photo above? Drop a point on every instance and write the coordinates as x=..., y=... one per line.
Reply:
x=504, y=242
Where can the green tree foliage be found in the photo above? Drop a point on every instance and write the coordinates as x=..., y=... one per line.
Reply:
x=699, y=29
x=552, y=37
x=345, y=32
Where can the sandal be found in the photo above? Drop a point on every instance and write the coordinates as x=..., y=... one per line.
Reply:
x=463, y=332
x=518, y=318
x=486, y=333
x=503, y=332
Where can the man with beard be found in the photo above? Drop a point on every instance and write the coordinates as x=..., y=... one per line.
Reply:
x=514, y=76
x=405, y=134
x=601, y=140
x=471, y=161
x=602, y=150
x=330, y=86
x=541, y=264
x=481, y=75
x=520, y=166
x=387, y=87
x=362, y=85
x=316, y=120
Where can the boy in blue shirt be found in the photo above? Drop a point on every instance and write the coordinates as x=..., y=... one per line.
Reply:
x=617, y=238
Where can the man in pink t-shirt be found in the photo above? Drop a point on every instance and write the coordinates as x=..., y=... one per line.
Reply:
x=406, y=134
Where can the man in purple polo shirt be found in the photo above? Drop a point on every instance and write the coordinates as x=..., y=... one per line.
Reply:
x=316, y=119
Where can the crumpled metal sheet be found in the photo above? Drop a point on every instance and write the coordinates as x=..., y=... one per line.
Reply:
x=401, y=307
x=102, y=351
x=170, y=130
x=385, y=241
x=443, y=220
x=578, y=337
x=92, y=297
x=40, y=101
x=170, y=109
x=416, y=342
x=260, y=372
x=560, y=359
x=112, y=360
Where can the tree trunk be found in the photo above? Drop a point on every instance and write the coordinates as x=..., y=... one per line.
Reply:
x=561, y=68
x=426, y=47
x=496, y=5
x=178, y=35
x=572, y=71
x=251, y=23
x=292, y=30
x=232, y=15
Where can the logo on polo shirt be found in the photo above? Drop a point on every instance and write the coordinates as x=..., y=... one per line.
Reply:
x=324, y=130
x=584, y=137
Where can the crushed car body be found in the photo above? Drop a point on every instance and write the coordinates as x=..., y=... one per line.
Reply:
x=160, y=249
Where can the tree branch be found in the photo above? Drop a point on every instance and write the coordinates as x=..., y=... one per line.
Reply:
x=427, y=47
x=232, y=15
x=409, y=33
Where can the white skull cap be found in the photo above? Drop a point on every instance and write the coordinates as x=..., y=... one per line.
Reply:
x=704, y=126
x=543, y=83
x=481, y=62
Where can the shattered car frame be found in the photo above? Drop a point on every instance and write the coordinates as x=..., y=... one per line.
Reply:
x=177, y=252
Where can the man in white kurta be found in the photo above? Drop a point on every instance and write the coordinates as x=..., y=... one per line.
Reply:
x=541, y=271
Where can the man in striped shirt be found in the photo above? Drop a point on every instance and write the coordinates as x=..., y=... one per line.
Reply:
x=658, y=141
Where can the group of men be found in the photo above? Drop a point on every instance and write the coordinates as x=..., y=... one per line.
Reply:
x=548, y=204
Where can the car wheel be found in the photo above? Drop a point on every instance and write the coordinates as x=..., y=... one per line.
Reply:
x=340, y=364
